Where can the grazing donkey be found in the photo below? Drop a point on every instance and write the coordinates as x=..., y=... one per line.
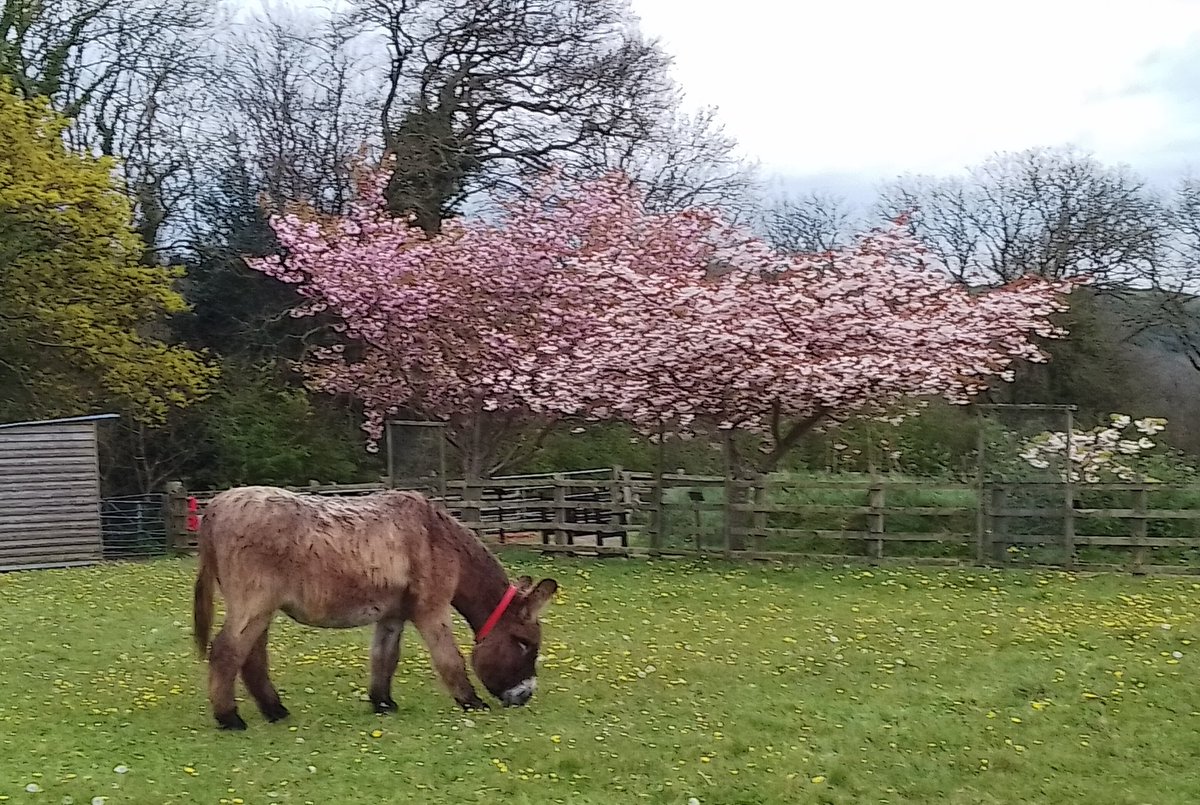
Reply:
x=385, y=559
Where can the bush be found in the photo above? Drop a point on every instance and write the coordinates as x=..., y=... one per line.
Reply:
x=260, y=431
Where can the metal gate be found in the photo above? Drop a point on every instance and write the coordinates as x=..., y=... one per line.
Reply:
x=416, y=456
x=134, y=526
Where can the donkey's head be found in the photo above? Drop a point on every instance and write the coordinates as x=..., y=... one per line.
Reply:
x=505, y=660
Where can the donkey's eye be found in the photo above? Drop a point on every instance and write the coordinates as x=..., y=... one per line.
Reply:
x=521, y=644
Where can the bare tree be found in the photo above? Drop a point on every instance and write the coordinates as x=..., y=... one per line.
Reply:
x=293, y=107
x=813, y=223
x=1173, y=305
x=72, y=50
x=1054, y=212
x=1183, y=216
x=685, y=160
x=480, y=92
x=151, y=121
x=126, y=74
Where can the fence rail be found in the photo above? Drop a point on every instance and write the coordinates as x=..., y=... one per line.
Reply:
x=1137, y=527
x=584, y=508
x=133, y=526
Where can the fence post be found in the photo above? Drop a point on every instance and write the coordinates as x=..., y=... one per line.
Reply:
x=996, y=542
x=1139, y=531
x=1069, y=526
x=737, y=491
x=1069, y=498
x=391, y=456
x=760, y=517
x=981, y=523
x=875, y=499
x=629, y=503
x=981, y=492
x=560, y=510
x=176, y=516
x=727, y=525
x=442, y=465
x=470, y=503
x=658, y=515
x=731, y=499
x=658, y=524
x=617, y=517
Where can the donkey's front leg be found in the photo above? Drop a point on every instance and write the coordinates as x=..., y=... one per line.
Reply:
x=451, y=667
x=385, y=654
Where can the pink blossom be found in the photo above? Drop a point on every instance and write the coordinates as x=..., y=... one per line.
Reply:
x=577, y=301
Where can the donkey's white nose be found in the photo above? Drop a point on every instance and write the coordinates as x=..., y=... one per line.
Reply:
x=519, y=694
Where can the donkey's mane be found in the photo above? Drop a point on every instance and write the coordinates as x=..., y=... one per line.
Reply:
x=482, y=578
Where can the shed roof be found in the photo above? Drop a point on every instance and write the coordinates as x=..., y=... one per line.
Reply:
x=62, y=421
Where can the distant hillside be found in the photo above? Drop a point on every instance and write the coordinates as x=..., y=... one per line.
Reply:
x=1155, y=346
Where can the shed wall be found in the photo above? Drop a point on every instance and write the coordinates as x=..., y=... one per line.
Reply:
x=49, y=495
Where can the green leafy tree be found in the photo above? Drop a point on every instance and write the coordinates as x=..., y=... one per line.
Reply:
x=237, y=313
x=1090, y=368
x=82, y=321
x=256, y=429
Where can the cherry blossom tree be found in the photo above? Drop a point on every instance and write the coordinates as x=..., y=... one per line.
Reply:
x=576, y=301
x=754, y=340
x=480, y=325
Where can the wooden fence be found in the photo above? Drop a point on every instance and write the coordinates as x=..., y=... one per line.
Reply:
x=1136, y=527
x=1149, y=527
x=585, y=508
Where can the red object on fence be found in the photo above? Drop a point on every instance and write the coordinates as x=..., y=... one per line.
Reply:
x=193, y=520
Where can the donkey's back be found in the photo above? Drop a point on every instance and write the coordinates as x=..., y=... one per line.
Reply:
x=333, y=562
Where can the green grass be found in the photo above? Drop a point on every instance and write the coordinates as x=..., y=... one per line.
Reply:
x=661, y=681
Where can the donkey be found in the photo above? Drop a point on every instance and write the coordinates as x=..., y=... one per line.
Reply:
x=387, y=559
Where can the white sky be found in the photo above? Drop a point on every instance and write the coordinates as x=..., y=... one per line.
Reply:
x=850, y=91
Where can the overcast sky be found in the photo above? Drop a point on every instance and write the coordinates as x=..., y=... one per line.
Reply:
x=845, y=93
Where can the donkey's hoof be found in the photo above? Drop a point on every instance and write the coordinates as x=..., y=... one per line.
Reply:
x=475, y=704
x=275, y=712
x=383, y=706
x=230, y=721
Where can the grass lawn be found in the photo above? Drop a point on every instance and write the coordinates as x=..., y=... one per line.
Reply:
x=661, y=682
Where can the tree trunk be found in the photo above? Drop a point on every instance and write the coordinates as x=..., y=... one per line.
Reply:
x=467, y=441
x=738, y=467
x=786, y=438
x=489, y=443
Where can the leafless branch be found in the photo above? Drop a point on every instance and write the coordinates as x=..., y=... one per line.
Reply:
x=1051, y=212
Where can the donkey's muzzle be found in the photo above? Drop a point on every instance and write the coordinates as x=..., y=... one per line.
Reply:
x=519, y=694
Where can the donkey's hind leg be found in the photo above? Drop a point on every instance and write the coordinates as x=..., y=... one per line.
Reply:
x=229, y=650
x=385, y=654
x=258, y=681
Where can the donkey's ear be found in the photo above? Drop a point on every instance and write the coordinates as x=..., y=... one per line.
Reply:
x=524, y=584
x=540, y=596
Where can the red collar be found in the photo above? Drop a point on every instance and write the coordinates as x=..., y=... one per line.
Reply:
x=494, y=618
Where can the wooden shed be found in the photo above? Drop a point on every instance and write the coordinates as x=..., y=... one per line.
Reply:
x=50, y=493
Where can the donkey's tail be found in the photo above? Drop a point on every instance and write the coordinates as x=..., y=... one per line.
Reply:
x=202, y=599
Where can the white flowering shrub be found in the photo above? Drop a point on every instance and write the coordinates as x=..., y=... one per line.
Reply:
x=1117, y=451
